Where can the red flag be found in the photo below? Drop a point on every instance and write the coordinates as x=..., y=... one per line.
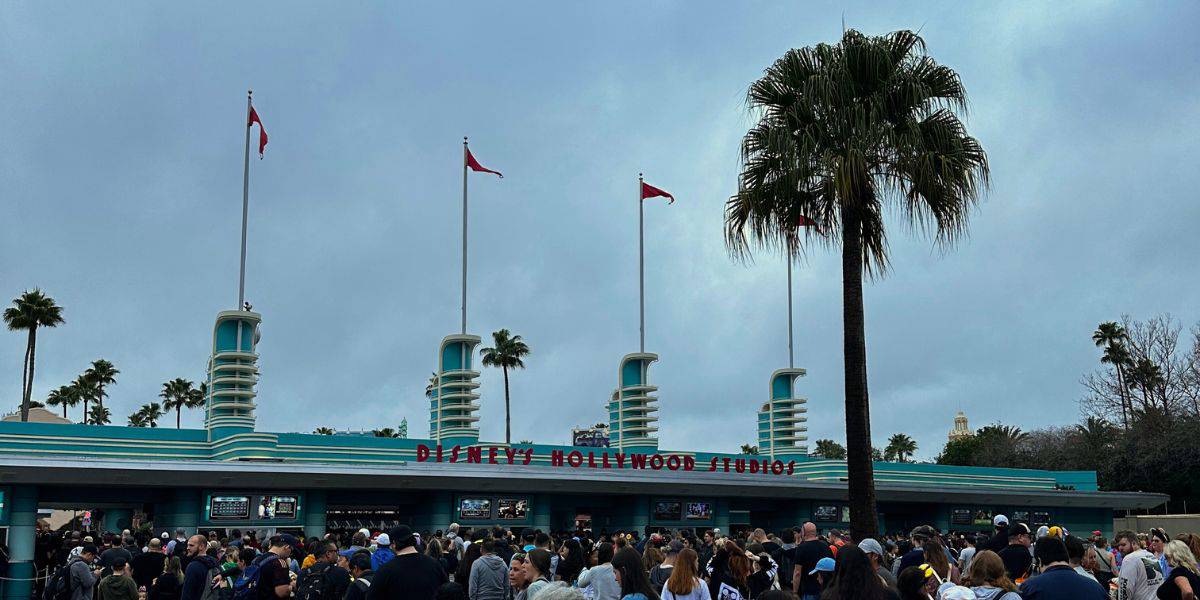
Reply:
x=649, y=191
x=475, y=166
x=262, y=131
x=804, y=221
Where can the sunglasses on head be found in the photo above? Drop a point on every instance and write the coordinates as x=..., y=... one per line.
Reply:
x=929, y=572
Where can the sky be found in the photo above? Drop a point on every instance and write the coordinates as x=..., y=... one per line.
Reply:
x=121, y=180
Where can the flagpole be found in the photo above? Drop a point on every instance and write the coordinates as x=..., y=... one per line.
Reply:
x=791, y=361
x=245, y=206
x=641, y=269
x=464, y=241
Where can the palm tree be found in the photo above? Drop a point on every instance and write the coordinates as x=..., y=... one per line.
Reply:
x=29, y=311
x=748, y=449
x=1112, y=337
x=829, y=449
x=146, y=416
x=900, y=447
x=177, y=395
x=323, y=431
x=88, y=391
x=845, y=132
x=103, y=373
x=506, y=354
x=1148, y=376
x=386, y=432
x=100, y=415
x=65, y=396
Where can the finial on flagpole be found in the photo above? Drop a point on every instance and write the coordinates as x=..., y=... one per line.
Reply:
x=639, y=175
x=464, y=140
x=250, y=92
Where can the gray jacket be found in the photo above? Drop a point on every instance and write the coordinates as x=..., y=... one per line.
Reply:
x=489, y=578
x=81, y=578
x=602, y=581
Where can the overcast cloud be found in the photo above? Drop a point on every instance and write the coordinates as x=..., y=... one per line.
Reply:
x=120, y=192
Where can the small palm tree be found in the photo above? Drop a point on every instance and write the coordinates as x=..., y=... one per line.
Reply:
x=65, y=396
x=748, y=449
x=100, y=415
x=88, y=391
x=146, y=416
x=177, y=395
x=507, y=354
x=844, y=134
x=29, y=311
x=386, y=432
x=323, y=431
x=900, y=447
x=829, y=449
x=103, y=374
x=1113, y=337
x=1148, y=376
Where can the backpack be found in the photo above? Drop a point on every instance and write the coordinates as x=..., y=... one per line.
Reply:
x=211, y=592
x=313, y=582
x=58, y=587
x=246, y=587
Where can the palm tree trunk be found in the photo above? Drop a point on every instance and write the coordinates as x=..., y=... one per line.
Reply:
x=64, y=410
x=24, y=380
x=28, y=391
x=178, y=416
x=1124, y=392
x=507, y=411
x=864, y=522
x=100, y=395
x=85, y=411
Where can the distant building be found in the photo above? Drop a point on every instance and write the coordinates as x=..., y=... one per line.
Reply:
x=961, y=430
x=36, y=415
x=595, y=436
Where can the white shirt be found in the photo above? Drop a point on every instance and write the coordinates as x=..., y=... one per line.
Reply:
x=1140, y=577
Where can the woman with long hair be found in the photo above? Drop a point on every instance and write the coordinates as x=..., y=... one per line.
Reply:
x=570, y=561
x=635, y=584
x=169, y=585
x=651, y=557
x=434, y=550
x=537, y=573
x=684, y=582
x=854, y=578
x=730, y=572
x=913, y=581
x=463, y=573
x=1183, y=580
x=935, y=556
x=988, y=578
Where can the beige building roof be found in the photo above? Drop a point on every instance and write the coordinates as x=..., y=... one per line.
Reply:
x=36, y=415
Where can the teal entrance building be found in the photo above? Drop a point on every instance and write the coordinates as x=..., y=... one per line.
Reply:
x=231, y=475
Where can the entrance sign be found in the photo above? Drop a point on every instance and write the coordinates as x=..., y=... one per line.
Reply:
x=576, y=459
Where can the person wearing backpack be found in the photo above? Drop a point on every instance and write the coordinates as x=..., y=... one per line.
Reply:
x=323, y=580
x=80, y=577
x=119, y=585
x=200, y=572
x=360, y=568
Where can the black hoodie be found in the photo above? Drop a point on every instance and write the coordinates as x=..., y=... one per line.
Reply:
x=196, y=577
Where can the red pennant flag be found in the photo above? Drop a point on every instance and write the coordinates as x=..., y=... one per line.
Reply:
x=262, y=131
x=475, y=166
x=649, y=191
x=804, y=221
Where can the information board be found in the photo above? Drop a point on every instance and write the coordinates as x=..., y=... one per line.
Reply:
x=229, y=508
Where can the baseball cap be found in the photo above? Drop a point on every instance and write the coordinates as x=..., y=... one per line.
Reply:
x=1000, y=520
x=825, y=564
x=1018, y=529
x=402, y=536
x=871, y=546
x=285, y=539
x=383, y=540
x=1043, y=531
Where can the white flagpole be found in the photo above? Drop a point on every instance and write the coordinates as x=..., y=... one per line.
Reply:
x=464, y=241
x=245, y=207
x=791, y=361
x=641, y=269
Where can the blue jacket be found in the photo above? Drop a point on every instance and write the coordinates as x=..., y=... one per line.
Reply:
x=1061, y=583
x=380, y=557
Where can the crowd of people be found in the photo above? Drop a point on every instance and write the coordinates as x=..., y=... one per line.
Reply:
x=1012, y=562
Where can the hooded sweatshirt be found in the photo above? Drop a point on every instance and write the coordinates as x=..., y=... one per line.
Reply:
x=381, y=556
x=489, y=578
x=80, y=578
x=118, y=587
x=195, y=578
x=994, y=593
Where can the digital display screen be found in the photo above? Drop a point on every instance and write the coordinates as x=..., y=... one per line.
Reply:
x=512, y=509
x=697, y=511
x=277, y=507
x=1041, y=518
x=1020, y=516
x=229, y=508
x=983, y=516
x=668, y=510
x=962, y=516
x=475, y=508
x=845, y=514
x=827, y=513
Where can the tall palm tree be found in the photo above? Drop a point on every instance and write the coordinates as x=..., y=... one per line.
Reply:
x=177, y=395
x=900, y=447
x=1148, y=376
x=103, y=373
x=845, y=133
x=65, y=396
x=1112, y=337
x=100, y=415
x=29, y=311
x=88, y=391
x=507, y=354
